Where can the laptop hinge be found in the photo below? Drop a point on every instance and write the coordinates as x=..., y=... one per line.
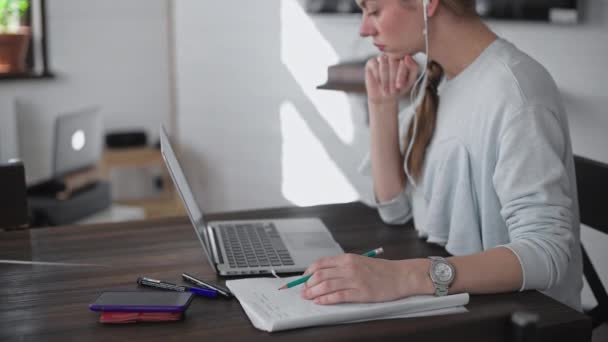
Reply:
x=215, y=246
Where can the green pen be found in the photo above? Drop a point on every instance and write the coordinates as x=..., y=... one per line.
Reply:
x=302, y=280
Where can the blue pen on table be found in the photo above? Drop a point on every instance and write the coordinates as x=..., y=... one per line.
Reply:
x=304, y=279
x=158, y=284
x=224, y=291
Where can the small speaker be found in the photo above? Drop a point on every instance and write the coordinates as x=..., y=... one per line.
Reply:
x=13, y=200
x=126, y=139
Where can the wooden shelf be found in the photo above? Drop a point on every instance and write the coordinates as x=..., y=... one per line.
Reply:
x=349, y=87
x=26, y=76
x=348, y=76
x=139, y=156
x=167, y=202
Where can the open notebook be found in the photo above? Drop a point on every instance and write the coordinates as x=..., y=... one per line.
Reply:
x=272, y=310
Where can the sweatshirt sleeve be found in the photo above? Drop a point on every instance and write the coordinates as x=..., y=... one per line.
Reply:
x=535, y=192
x=396, y=211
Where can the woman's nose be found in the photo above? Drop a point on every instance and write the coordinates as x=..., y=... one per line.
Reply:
x=366, y=28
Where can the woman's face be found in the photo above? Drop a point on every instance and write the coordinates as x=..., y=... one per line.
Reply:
x=396, y=26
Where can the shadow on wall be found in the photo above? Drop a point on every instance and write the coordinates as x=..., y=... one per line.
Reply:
x=268, y=136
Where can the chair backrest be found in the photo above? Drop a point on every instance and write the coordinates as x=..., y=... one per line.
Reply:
x=592, y=184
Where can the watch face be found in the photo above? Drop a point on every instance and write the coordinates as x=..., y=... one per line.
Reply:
x=443, y=272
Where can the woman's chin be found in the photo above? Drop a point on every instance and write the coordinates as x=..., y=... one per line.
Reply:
x=400, y=53
x=395, y=55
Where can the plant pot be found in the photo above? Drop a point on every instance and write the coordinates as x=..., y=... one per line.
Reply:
x=13, y=51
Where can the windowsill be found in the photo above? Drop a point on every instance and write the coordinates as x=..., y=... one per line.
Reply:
x=26, y=76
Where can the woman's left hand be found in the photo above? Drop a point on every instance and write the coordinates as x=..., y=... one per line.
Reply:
x=358, y=279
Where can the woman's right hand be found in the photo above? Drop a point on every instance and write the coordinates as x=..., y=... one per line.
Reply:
x=387, y=79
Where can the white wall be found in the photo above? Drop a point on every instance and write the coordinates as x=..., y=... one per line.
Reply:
x=576, y=57
x=112, y=53
x=235, y=84
x=237, y=64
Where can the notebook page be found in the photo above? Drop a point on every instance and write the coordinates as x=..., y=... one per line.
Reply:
x=271, y=310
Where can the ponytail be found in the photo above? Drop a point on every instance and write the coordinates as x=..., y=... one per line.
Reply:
x=426, y=113
x=426, y=117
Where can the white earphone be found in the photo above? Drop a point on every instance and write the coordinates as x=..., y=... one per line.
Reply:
x=416, y=95
x=425, y=8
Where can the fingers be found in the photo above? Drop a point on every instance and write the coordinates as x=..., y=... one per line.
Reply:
x=387, y=78
x=325, y=287
x=332, y=291
x=341, y=261
x=343, y=296
x=371, y=68
x=384, y=73
x=332, y=261
x=328, y=273
x=394, y=75
x=393, y=71
x=413, y=72
x=402, y=73
x=338, y=279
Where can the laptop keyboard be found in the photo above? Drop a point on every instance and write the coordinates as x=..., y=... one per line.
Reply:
x=254, y=245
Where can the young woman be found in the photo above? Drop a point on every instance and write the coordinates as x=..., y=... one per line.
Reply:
x=484, y=166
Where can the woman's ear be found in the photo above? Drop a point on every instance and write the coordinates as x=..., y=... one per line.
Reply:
x=432, y=6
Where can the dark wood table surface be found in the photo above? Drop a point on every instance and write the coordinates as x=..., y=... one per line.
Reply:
x=44, y=303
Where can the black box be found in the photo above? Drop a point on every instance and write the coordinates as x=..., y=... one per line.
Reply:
x=50, y=211
x=126, y=139
x=13, y=199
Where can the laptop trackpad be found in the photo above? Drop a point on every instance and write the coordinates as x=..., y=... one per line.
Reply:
x=301, y=240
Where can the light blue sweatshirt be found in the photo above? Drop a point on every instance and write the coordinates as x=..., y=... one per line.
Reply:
x=499, y=172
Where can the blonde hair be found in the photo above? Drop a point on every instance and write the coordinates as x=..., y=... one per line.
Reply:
x=426, y=112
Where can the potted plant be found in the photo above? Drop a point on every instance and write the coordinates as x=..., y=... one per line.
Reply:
x=14, y=36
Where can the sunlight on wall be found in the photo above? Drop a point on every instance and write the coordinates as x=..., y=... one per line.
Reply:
x=307, y=54
x=310, y=176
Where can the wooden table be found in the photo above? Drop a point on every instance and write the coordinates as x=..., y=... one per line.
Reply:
x=50, y=303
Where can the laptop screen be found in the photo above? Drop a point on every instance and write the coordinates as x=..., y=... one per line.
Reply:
x=181, y=183
x=78, y=141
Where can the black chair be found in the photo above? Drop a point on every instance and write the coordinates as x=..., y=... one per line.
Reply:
x=592, y=183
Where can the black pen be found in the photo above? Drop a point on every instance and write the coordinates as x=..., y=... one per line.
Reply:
x=220, y=289
x=143, y=281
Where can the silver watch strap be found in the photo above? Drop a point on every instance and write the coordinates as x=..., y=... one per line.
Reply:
x=440, y=289
x=438, y=258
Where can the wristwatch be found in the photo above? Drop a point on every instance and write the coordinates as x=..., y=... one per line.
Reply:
x=442, y=274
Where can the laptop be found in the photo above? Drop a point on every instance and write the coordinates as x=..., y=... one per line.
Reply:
x=78, y=141
x=246, y=247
